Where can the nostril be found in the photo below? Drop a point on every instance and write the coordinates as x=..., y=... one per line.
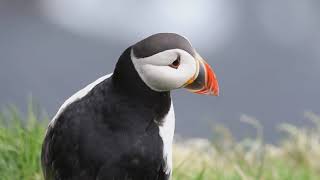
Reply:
x=175, y=63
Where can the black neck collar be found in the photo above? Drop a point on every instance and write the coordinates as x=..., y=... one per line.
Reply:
x=127, y=81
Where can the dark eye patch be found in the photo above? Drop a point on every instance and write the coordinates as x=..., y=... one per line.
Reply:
x=175, y=64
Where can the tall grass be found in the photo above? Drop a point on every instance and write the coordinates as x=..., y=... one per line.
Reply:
x=295, y=157
x=20, y=146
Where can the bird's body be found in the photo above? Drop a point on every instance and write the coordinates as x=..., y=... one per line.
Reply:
x=117, y=128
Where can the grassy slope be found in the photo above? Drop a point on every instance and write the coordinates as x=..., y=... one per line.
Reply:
x=297, y=157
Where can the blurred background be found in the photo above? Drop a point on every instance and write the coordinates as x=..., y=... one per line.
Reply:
x=266, y=55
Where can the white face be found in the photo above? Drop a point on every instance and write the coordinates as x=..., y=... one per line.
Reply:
x=167, y=70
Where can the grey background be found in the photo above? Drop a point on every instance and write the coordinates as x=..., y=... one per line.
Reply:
x=266, y=55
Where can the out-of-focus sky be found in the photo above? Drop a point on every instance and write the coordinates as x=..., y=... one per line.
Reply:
x=266, y=54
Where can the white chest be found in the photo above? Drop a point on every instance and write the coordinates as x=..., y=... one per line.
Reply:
x=166, y=131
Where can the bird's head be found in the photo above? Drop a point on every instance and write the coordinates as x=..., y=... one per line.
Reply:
x=167, y=61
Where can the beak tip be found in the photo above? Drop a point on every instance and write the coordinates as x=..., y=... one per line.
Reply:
x=216, y=92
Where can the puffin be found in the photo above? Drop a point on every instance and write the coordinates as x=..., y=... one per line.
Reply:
x=121, y=126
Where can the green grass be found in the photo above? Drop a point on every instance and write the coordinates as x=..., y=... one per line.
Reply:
x=20, y=146
x=296, y=157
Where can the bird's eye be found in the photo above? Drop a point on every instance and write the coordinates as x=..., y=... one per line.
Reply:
x=175, y=63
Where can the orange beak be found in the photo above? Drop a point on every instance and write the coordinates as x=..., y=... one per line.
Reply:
x=204, y=81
